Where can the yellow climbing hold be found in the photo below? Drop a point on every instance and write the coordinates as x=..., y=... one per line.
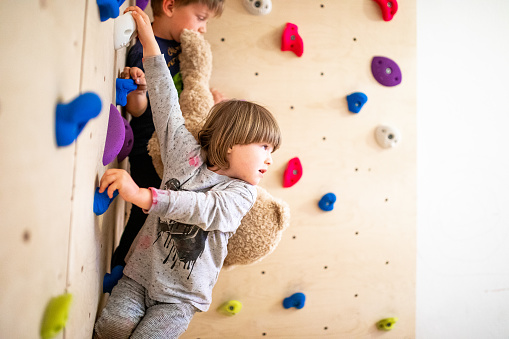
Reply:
x=231, y=307
x=55, y=316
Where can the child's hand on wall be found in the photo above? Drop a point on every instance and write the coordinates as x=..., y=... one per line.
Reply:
x=145, y=33
x=118, y=179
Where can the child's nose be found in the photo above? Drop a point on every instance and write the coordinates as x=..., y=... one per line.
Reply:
x=268, y=161
x=202, y=29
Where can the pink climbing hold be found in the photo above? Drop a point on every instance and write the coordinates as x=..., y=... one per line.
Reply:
x=293, y=172
x=291, y=40
x=388, y=7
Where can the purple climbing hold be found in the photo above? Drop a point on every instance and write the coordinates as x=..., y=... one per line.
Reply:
x=124, y=87
x=386, y=71
x=128, y=142
x=115, y=136
x=142, y=4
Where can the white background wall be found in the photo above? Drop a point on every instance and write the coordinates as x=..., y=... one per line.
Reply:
x=463, y=169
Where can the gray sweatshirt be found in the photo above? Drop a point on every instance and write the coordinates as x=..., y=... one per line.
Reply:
x=181, y=247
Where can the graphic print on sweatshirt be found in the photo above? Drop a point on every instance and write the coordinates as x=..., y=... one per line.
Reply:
x=185, y=243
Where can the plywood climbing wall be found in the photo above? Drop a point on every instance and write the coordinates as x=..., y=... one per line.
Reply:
x=356, y=263
x=52, y=243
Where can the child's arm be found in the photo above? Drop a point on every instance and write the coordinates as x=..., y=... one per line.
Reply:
x=221, y=209
x=137, y=100
x=176, y=143
x=145, y=33
x=118, y=179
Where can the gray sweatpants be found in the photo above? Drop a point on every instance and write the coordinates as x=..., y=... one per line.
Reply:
x=130, y=313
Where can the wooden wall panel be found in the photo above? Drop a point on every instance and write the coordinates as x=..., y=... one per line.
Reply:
x=356, y=264
x=93, y=237
x=40, y=58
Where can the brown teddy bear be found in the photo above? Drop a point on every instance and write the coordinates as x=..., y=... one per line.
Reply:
x=261, y=229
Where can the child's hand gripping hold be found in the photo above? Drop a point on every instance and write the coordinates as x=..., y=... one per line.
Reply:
x=118, y=179
x=145, y=32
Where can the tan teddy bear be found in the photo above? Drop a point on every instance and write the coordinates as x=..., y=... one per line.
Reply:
x=261, y=229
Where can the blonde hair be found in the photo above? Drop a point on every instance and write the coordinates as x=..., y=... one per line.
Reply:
x=216, y=6
x=236, y=122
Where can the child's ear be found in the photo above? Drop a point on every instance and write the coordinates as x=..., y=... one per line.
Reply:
x=168, y=7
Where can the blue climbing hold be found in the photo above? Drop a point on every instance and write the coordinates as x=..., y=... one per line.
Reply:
x=109, y=8
x=296, y=300
x=124, y=87
x=71, y=118
x=327, y=202
x=356, y=101
x=111, y=280
x=102, y=201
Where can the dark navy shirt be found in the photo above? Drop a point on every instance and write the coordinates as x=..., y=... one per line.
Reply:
x=143, y=126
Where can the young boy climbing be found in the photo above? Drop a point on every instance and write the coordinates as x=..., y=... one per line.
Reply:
x=170, y=18
x=209, y=185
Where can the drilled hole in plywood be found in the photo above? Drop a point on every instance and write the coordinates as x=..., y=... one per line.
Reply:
x=326, y=328
x=325, y=267
x=291, y=107
x=322, y=6
x=354, y=39
x=256, y=73
x=356, y=295
x=386, y=199
x=294, y=237
x=387, y=262
x=356, y=233
x=263, y=272
x=26, y=236
x=222, y=39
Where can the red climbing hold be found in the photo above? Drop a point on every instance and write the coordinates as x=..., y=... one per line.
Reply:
x=388, y=7
x=291, y=40
x=293, y=172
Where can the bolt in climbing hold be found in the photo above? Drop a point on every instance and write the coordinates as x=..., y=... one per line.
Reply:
x=291, y=40
x=55, y=316
x=386, y=71
x=293, y=172
x=111, y=280
x=388, y=7
x=296, y=300
x=327, y=202
x=124, y=30
x=386, y=324
x=102, y=201
x=230, y=307
x=109, y=8
x=71, y=118
x=356, y=101
x=114, y=137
